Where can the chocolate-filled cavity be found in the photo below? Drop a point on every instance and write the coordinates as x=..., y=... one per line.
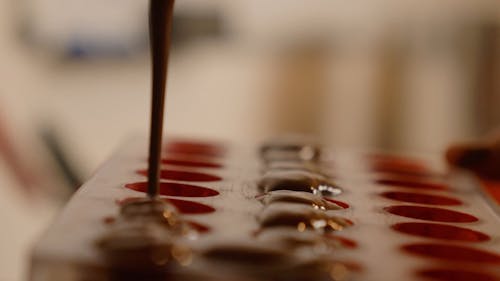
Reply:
x=328, y=189
x=329, y=264
x=247, y=253
x=292, y=240
x=441, y=231
x=184, y=176
x=290, y=180
x=319, y=269
x=266, y=262
x=452, y=253
x=136, y=236
x=421, y=198
x=148, y=209
x=142, y=237
x=291, y=165
x=289, y=240
x=430, y=214
x=175, y=189
x=290, y=149
x=298, y=197
x=300, y=217
x=295, y=180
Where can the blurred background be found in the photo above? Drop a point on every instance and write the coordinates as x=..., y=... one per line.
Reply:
x=388, y=74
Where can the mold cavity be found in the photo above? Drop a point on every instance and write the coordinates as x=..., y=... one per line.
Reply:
x=441, y=231
x=197, y=148
x=190, y=163
x=301, y=217
x=397, y=161
x=403, y=172
x=452, y=253
x=290, y=239
x=184, y=176
x=456, y=275
x=298, y=181
x=300, y=198
x=290, y=180
x=400, y=166
x=327, y=189
x=421, y=198
x=190, y=207
x=249, y=254
x=175, y=189
x=201, y=228
x=144, y=208
x=291, y=165
x=182, y=206
x=430, y=214
x=321, y=268
x=348, y=243
x=109, y=220
x=406, y=182
x=324, y=268
x=290, y=148
x=340, y=203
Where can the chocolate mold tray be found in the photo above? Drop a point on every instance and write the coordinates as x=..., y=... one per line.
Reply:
x=286, y=210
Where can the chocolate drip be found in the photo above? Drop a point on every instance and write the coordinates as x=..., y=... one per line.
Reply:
x=160, y=25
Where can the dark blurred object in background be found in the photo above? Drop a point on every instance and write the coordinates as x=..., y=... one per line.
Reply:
x=106, y=28
x=62, y=161
x=487, y=78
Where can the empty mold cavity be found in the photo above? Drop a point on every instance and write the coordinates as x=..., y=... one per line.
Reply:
x=195, y=148
x=184, y=176
x=440, y=231
x=445, y=274
x=194, y=163
x=409, y=182
x=400, y=166
x=452, y=253
x=430, y=214
x=421, y=198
